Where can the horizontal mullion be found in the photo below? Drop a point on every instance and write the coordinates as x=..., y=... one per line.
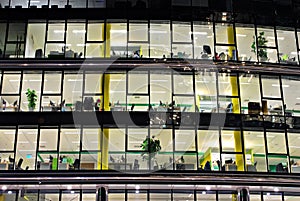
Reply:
x=10, y=94
x=15, y=42
x=271, y=98
x=267, y=47
x=277, y=154
x=225, y=96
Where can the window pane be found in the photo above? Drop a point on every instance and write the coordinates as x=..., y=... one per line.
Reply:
x=32, y=82
x=138, y=103
x=294, y=150
x=138, y=82
x=73, y=90
x=91, y=139
x=287, y=46
x=160, y=40
x=75, y=40
x=244, y=37
x=118, y=92
x=278, y=163
x=13, y=52
x=250, y=94
x=228, y=84
x=206, y=196
x=118, y=39
x=16, y=32
x=96, y=4
x=184, y=140
x=291, y=95
x=52, y=82
x=138, y=31
x=183, y=84
x=78, y=4
x=182, y=51
x=160, y=90
x=95, y=31
x=276, y=142
x=26, y=148
x=56, y=32
x=11, y=83
x=35, y=40
x=8, y=139
x=55, y=50
x=94, y=50
x=138, y=50
x=39, y=3
x=224, y=33
x=268, y=34
x=58, y=3
x=15, y=3
x=255, y=151
x=48, y=140
x=203, y=41
x=181, y=32
x=206, y=92
x=208, y=149
x=270, y=86
x=2, y=38
x=93, y=82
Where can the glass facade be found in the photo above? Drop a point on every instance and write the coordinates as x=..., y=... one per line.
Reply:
x=149, y=100
x=218, y=41
x=265, y=139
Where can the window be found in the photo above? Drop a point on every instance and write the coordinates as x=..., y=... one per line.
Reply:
x=35, y=40
x=287, y=46
x=160, y=39
x=203, y=41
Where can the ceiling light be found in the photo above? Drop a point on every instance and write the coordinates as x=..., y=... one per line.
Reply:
x=137, y=187
x=59, y=31
x=203, y=192
x=241, y=35
x=277, y=85
x=208, y=188
x=69, y=187
x=198, y=33
x=4, y=188
x=118, y=31
x=137, y=191
x=9, y=192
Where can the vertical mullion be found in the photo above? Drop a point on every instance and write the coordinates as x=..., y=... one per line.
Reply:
x=256, y=40
x=172, y=120
x=85, y=38
x=80, y=145
x=42, y=89
x=215, y=41
x=276, y=43
x=37, y=146
x=240, y=118
x=264, y=129
x=46, y=36
x=297, y=44
x=58, y=147
x=20, y=90
x=285, y=129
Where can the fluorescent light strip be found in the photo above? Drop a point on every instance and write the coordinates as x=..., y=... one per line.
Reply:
x=277, y=85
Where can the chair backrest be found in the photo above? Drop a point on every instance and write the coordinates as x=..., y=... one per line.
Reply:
x=76, y=163
x=20, y=162
x=206, y=49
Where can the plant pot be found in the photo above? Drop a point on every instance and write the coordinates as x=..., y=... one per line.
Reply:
x=30, y=109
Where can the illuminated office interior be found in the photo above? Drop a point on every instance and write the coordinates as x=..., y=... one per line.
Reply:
x=216, y=83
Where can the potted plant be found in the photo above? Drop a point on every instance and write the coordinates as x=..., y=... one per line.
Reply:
x=151, y=146
x=32, y=98
x=262, y=43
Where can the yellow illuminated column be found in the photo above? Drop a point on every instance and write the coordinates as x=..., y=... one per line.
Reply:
x=237, y=134
x=2, y=197
x=230, y=37
x=105, y=102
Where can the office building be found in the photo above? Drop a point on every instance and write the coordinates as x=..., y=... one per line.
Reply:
x=149, y=100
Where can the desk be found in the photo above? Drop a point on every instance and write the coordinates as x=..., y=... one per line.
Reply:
x=45, y=166
x=63, y=166
x=120, y=166
x=295, y=169
x=4, y=166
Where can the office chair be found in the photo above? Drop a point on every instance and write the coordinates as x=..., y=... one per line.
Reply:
x=206, y=49
x=132, y=107
x=11, y=160
x=19, y=164
x=76, y=164
x=88, y=103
